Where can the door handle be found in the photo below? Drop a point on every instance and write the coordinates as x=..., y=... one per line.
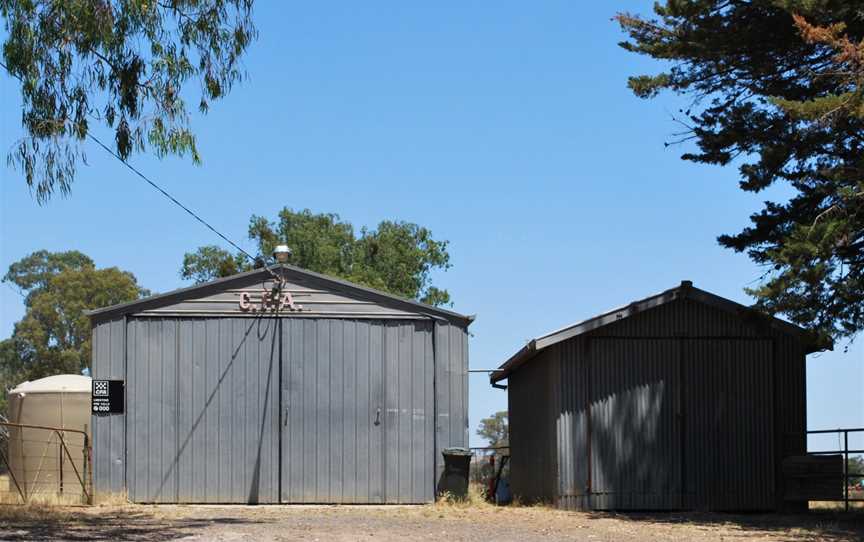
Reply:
x=378, y=416
x=286, y=417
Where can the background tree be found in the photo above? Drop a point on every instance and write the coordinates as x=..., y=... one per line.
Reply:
x=11, y=373
x=123, y=65
x=775, y=86
x=855, y=465
x=54, y=335
x=396, y=257
x=495, y=429
x=496, y=432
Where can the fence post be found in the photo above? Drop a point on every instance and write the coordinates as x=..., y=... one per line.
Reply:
x=846, y=469
x=88, y=467
x=12, y=476
x=60, y=454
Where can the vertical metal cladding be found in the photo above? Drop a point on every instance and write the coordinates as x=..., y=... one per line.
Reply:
x=451, y=389
x=728, y=424
x=531, y=394
x=358, y=396
x=682, y=406
x=109, y=433
x=634, y=442
x=258, y=410
x=572, y=427
x=203, y=410
x=328, y=392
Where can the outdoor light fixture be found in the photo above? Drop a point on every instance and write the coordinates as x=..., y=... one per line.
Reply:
x=282, y=253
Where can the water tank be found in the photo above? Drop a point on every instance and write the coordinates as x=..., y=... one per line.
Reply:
x=37, y=460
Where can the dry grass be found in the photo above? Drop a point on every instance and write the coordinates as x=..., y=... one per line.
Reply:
x=34, y=512
x=476, y=499
x=111, y=499
x=9, y=496
x=838, y=505
x=471, y=519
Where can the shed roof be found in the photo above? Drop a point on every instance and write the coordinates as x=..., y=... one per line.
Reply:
x=286, y=271
x=685, y=290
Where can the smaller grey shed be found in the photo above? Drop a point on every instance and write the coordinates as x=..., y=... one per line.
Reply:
x=682, y=400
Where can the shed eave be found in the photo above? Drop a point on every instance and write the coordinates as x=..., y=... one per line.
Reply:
x=173, y=296
x=683, y=291
x=516, y=360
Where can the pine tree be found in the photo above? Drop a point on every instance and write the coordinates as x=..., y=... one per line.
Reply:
x=776, y=86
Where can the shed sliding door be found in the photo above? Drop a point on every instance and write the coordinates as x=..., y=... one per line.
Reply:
x=203, y=410
x=728, y=424
x=261, y=410
x=357, y=411
x=333, y=410
x=635, y=429
x=681, y=423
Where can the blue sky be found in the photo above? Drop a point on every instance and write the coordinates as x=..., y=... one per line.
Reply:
x=506, y=130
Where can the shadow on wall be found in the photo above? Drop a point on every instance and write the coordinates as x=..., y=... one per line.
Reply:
x=670, y=434
x=261, y=333
x=634, y=448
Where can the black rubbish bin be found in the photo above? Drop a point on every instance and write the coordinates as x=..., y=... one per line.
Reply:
x=454, y=481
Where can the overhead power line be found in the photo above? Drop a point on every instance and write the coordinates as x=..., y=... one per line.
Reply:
x=164, y=193
x=169, y=196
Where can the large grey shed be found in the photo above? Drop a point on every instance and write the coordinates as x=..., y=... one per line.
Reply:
x=682, y=400
x=279, y=385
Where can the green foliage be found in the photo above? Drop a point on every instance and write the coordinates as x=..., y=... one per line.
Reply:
x=125, y=65
x=855, y=465
x=211, y=262
x=396, y=257
x=777, y=86
x=54, y=335
x=495, y=429
x=11, y=371
x=32, y=273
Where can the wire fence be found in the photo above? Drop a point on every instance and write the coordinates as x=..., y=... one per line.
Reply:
x=43, y=464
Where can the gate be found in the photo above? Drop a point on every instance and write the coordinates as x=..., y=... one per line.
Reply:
x=357, y=403
x=846, y=484
x=45, y=464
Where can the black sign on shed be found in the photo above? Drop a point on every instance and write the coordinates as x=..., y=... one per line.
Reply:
x=107, y=397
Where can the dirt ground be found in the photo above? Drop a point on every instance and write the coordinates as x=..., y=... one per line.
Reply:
x=439, y=522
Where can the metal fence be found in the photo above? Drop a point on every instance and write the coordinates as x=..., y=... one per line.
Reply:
x=845, y=452
x=51, y=465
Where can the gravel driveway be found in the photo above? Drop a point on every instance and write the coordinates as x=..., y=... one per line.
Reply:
x=433, y=522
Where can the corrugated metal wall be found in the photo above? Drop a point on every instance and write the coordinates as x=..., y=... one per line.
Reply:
x=532, y=414
x=634, y=437
x=681, y=396
x=728, y=424
x=572, y=426
x=109, y=432
x=202, y=410
x=203, y=421
x=688, y=318
x=340, y=378
x=451, y=390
